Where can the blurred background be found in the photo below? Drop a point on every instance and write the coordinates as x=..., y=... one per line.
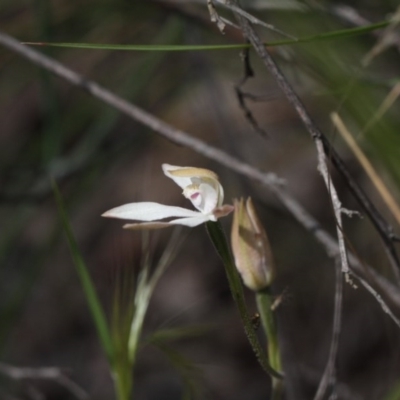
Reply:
x=102, y=159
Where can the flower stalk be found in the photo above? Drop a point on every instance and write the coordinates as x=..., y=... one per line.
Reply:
x=254, y=262
x=264, y=303
x=218, y=238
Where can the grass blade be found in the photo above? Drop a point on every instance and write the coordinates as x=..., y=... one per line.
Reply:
x=91, y=296
x=339, y=34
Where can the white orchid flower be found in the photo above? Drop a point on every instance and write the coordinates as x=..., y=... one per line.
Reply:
x=200, y=186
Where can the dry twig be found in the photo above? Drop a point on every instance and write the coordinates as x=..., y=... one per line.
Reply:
x=47, y=373
x=248, y=73
x=329, y=375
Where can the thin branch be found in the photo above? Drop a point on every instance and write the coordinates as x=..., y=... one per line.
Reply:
x=46, y=373
x=379, y=298
x=381, y=225
x=329, y=375
x=251, y=18
x=269, y=180
x=337, y=206
x=343, y=391
x=247, y=74
x=167, y=131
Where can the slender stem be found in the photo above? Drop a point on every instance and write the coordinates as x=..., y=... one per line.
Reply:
x=123, y=385
x=264, y=303
x=218, y=238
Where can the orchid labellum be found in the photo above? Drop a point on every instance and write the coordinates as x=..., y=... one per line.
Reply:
x=200, y=186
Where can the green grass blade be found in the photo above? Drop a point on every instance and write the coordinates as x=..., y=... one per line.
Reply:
x=339, y=34
x=86, y=281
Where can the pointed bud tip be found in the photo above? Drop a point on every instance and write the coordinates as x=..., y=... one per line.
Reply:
x=250, y=246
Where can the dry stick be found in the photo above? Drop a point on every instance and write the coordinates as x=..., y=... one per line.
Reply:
x=174, y=135
x=241, y=96
x=337, y=206
x=181, y=138
x=383, y=228
x=329, y=375
x=44, y=373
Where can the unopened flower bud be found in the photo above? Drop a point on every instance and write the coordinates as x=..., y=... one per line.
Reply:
x=250, y=246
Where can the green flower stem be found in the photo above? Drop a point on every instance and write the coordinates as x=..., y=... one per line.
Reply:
x=123, y=384
x=263, y=298
x=264, y=303
x=218, y=238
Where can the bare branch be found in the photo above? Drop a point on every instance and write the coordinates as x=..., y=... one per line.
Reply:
x=247, y=74
x=46, y=373
x=379, y=299
x=337, y=206
x=329, y=375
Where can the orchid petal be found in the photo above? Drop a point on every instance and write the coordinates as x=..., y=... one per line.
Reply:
x=182, y=182
x=200, y=186
x=203, y=196
x=147, y=225
x=220, y=194
x=183, y=176
x=148, y=211
x=223, y=211
x=193, y=221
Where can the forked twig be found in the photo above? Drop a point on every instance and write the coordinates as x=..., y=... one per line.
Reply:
x=241, y=96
